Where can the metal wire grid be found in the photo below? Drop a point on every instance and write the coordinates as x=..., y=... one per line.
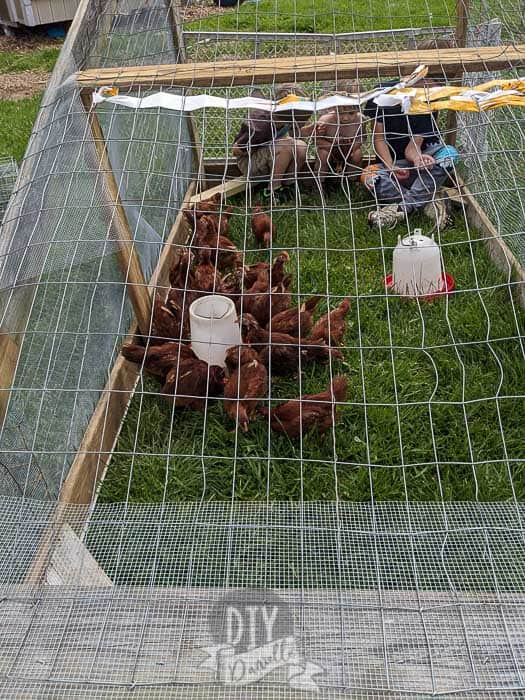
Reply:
x=378, y=634
x=420, y=586
x=8, y=175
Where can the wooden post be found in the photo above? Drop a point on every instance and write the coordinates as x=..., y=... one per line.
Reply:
x=176, y=30
x=178, y=40
x=462, y=13
x=8, y=361
x=127, y=253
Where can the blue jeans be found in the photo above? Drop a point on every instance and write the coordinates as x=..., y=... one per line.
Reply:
x=421, y=186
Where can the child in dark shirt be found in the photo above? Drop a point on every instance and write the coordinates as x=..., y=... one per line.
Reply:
x=412, y=164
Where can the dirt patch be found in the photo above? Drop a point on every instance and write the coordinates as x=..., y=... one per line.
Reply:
x=16, y=86
x=194, y=12
x=25, y=42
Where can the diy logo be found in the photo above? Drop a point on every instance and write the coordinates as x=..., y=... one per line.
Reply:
x=254, y=636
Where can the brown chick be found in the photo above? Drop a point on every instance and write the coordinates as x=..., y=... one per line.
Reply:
x=224, y=253
x=191, y=381
x=165, y=324
x=247, y=383
x=277, y=274
x=157, y=359
x=319, y=411
x=262, y=301
x=178, y=303
x=232, y=283
x=207, y=206
x=220, y=220
x=207, y=279
x=262, y=226
x=332, y=326
x=284, y=350
x=267, y=304
x=180, y=274
x=252, y=272
x=297, y=321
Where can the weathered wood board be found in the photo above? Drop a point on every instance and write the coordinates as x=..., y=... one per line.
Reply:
x=71, y=563
x=404, y=641
x=305, y=68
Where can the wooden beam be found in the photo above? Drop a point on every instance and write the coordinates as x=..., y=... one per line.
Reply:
x=9, y=351
x=462, y=12
x=72, y=564
x=175, y=21
x=227, y=187
x=500, y=253
x=305, y=68
x=127, y=252
x=462, y=15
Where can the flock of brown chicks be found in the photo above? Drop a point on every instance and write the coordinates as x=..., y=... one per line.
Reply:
x=276, y=336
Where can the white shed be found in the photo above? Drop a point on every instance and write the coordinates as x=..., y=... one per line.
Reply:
x=30, y=13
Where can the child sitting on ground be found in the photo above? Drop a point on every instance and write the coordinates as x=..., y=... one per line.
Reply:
x=339, y=137
x=264, y=149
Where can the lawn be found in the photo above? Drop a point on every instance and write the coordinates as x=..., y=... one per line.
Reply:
x=13, y=142
x=22, y=112
x=42, y=59
x=432, y=411
x=332, y=16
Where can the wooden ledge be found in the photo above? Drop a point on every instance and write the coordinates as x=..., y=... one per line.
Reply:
x=306, y=68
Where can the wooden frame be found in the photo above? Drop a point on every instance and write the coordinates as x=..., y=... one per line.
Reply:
x=102, y=432
x=462, y=10
x=500, y=253
x=305, y=68
x=127, y=252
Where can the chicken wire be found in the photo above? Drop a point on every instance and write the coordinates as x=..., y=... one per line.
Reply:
x=392, y=599
x=8, y=175
x=58, y=262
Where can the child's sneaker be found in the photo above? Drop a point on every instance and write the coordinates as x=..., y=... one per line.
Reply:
x=279, y=195
x=438, y=212
x=386, y=217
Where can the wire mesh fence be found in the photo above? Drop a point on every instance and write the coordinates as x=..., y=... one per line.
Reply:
x=392, y=542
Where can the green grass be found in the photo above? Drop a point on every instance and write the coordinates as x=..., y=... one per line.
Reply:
x=335, y=16
x=40, y=59
x=13, y=141
x=441, y=376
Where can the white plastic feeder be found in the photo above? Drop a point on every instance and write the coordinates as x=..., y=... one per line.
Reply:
x=214, y=328
x=417, y=269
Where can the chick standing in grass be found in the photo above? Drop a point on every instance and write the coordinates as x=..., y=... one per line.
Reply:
x=309, y=411
x=282, y=350
x=262, y=226
x=247, y=383
x=332, y=326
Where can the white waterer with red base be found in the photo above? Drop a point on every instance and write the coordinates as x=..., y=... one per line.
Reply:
x=418, y=268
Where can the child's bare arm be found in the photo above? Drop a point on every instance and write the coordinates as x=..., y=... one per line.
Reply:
x=315, y=128
x=308, y=129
